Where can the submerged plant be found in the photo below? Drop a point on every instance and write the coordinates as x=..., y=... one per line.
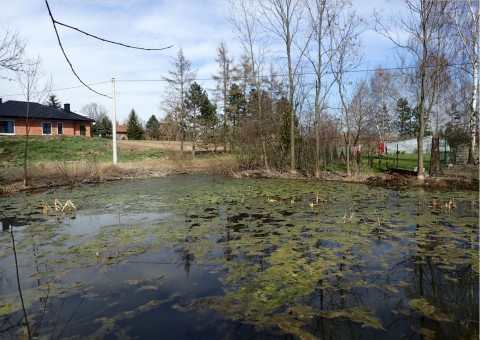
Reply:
x=361, y=261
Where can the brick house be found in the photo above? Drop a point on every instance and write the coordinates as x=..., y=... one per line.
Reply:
x=42, y=120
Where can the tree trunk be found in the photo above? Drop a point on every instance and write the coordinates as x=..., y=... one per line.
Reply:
x=25, y=159
x=474, y=115
x=435, y=157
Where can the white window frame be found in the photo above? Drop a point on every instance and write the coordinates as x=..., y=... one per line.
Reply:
x=59, y=124
x=8, y=133
x=43, y=130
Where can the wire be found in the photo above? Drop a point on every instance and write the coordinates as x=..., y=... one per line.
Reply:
x=65, y=55
x=112, y=42
x=60, y=89
x=55, y=22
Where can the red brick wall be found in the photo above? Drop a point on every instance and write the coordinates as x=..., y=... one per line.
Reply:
x=69, y=128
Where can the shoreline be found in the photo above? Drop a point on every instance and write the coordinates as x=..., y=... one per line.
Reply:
x=47, y=176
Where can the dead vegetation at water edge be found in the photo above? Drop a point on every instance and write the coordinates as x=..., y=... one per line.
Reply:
x=74, y=173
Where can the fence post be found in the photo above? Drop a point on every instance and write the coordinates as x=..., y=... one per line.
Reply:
x=397, y=156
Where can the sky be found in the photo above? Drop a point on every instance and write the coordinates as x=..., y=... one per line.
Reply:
x=196, y=26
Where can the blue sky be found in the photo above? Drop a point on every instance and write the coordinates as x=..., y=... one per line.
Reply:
x=197, y=27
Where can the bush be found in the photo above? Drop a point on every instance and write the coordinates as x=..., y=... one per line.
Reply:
x=77, y=172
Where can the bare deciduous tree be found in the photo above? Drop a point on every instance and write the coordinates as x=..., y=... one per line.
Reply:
x=320, y=50
x=223, y=79
x=179, y=80
x=384, y=96
x=360, y=108
x=94, y=111
x=30, y=78
x=420, y=24
x=244, y=18
x=12, y=49
x=466, y=15
x=284, y=20
x=346, y=57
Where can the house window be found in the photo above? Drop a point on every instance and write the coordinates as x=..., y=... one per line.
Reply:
x=47, y=128
x=83, y=130
x=7, y=127
x=60, y=128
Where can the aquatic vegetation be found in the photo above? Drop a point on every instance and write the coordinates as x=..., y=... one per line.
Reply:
x=304, y=258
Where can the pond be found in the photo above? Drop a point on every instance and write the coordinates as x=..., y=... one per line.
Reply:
x=206, y=257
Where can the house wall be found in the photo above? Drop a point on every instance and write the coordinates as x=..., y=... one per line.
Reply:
x=69, y=128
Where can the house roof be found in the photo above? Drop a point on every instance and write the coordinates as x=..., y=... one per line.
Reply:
x=122, y=129
x=18, y=109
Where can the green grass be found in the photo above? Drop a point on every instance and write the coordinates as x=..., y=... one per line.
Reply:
x=405, y=161
x=53, y=149
x=379, y=164
x=75, y=148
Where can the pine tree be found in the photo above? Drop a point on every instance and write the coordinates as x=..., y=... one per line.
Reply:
x=201, y=110
x=406, y=120
x=134, y=128
x=106, y=127
x=53, y=101
x=152, y=127
x=236, y=104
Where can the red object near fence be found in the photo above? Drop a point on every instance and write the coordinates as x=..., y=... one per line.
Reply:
x=381, y=148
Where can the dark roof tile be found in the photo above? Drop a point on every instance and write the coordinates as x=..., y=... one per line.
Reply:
x=18, y=109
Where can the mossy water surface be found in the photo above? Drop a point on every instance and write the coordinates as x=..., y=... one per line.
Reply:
x=205, y=256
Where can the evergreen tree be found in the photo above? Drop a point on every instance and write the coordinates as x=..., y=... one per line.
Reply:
x=52, y=101
x=201, y=110
x=406, y=119
x=152, y=127
x=236, y=104
x=193, y=101
x=104, y=128
x=134, y=128
x=208, y=112
x=284, y=109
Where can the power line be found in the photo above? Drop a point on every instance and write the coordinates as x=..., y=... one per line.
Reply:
x=55, y=22
x=110, y=41
x=60, y=89
x=65, y=55
x=208, y=79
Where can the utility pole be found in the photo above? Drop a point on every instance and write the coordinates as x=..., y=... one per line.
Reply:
x=114, y=123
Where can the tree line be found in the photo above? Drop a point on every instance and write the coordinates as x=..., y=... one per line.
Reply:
x=296, y=95
x=297, y=90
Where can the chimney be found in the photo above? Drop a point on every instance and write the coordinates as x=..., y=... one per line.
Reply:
x=66, y=108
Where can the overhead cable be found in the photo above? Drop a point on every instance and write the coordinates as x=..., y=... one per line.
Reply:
x=55, y=22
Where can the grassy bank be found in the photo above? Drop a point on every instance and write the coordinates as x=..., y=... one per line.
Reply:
x=58, y=149
x=64, y=160
x=57, y=161
x=54, y=149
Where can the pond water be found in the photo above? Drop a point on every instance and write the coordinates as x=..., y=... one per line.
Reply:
x=210, y=257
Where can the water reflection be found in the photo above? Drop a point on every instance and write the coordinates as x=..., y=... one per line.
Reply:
x=241, y=258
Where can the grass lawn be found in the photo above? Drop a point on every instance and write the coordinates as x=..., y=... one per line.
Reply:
x=404, y=161
x=71, y=148
x=76, y=148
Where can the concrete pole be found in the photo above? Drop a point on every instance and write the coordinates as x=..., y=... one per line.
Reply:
x=114, y=124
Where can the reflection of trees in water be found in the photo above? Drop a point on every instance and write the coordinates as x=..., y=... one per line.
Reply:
x=186, y=258
x=444, y=277
x=431, y=265
x=39, y=282
x=224, y=239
